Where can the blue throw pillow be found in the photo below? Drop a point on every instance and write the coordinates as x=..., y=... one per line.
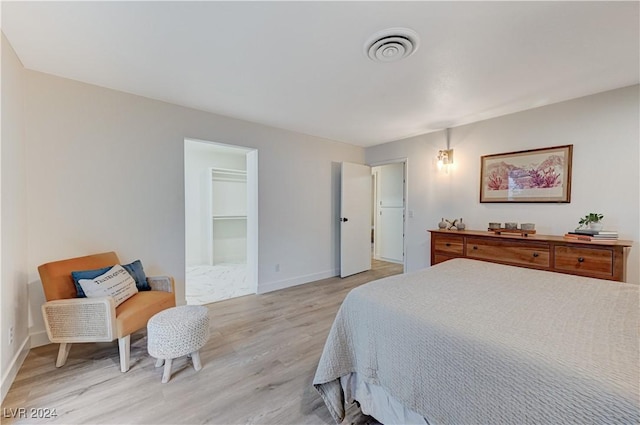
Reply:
x=135, y=270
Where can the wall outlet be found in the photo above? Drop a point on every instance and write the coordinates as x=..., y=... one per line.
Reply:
x=10, y=335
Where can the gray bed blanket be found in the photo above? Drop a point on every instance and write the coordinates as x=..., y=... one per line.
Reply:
x=469, y=342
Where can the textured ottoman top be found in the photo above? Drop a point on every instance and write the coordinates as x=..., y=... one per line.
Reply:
x=183, y=313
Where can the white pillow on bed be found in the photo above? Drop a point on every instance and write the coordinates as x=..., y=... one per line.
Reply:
x=117, y=283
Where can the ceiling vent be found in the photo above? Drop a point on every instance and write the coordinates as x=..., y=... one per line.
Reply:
x=392, y=44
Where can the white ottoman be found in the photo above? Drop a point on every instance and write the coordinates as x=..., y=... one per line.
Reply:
x=177, y=332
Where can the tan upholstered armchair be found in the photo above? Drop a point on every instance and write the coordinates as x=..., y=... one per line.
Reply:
x=69, y=319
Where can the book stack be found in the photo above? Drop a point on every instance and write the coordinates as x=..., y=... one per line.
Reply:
x=592, y=235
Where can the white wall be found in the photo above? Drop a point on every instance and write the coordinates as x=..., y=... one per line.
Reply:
x=13, y=225
x=105, y=172
x=198, y=158
x=605, y=131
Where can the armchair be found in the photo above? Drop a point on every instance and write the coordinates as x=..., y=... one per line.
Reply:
x=71, y=320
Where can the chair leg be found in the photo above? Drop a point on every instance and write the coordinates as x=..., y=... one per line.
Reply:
x=166, y=375
x=63, y=353
x=159, y=362
x=124, y=345
x=195, y=358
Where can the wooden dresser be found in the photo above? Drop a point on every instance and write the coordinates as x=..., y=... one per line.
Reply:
x=601, y=259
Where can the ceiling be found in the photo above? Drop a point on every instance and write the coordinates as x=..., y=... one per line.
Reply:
x=301, y=66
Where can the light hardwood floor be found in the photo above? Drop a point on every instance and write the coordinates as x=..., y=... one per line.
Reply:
x=258, y=367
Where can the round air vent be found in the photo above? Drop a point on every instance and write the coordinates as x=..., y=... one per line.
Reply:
x=392, y=44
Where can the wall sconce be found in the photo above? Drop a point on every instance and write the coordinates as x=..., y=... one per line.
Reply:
x=445, y=156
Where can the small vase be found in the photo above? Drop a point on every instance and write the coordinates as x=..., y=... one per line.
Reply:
x=442, y=224
x=595, y=225
x=460, y=225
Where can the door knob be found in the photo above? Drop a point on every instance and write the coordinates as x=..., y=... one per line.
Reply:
x=344, y=219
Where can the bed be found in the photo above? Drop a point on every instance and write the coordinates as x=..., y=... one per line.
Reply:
x=471, y=342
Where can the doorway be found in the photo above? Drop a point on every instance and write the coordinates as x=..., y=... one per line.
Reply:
x=388, y=212
x=220, y=221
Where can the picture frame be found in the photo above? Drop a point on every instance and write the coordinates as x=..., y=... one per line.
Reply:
x=535, y=175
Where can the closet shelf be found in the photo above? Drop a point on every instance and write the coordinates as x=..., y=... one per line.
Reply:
x=228, y=175
x=229, y=217
x=228, y=171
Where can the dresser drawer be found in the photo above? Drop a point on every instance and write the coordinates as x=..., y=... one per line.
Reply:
x=507, y=251
x=440, y=258
x=597, y=262
x=448, y=244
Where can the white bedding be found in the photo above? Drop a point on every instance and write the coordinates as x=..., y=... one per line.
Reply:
x=375, y=401
x=468, y=342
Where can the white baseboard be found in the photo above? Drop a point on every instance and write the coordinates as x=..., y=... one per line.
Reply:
x=287, y=283
x=39, y=338
x=14, y=367
x=388, y=260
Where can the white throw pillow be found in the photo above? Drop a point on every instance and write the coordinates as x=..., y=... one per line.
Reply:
x=117, y=282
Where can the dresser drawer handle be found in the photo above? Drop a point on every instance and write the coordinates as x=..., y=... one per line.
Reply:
x=535, y=254
x=475, y=247
x=580, y=260
x=448, y=244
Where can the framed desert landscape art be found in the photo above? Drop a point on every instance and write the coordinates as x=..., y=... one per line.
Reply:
x=537, y=175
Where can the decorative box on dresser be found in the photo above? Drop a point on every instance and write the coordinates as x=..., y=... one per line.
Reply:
x=600, y=259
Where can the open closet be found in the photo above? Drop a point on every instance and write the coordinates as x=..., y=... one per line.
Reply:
x=218, y=222
x=228, y=206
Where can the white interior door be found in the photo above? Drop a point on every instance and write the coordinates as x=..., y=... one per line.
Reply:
x=355, y=219
x=390, y=232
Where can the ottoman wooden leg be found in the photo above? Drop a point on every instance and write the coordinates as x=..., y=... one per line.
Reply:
x=167, y=371
x=195, y=358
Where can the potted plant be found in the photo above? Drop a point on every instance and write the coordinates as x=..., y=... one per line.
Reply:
x=592, y=221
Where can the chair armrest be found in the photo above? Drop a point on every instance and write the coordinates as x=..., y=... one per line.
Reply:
x=80, y=319
x=162, y=283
